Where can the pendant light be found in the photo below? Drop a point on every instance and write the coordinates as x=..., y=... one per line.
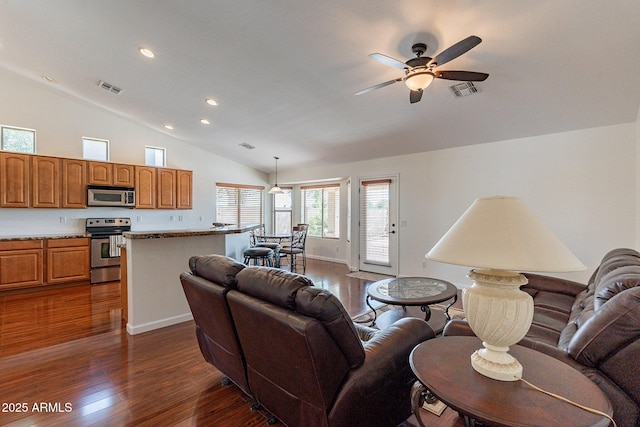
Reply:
x=275, y=189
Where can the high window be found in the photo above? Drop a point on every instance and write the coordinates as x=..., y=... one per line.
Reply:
x=282, y=204
x=155, y=156
x=321, y=210
x=239, y=204
x=95, y=149
x=18, y=139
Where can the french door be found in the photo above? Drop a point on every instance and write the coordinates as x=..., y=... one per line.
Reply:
x=378, y=231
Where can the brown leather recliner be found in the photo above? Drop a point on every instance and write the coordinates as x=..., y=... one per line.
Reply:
x=305, y=359
x=594, y=328
x=206, y=287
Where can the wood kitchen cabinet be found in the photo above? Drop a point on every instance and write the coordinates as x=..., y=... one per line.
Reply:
x=67, y=260
x=74, y=183
x=167, y=191
x=145, y=187
x=115, y=174
x=14, y=180
x=45, y=182
x=99, y=173
x=184, y=189
x=21, y=264
x=28, y=180
x=124, y=175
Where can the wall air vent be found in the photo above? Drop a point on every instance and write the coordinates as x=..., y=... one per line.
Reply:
x=109, y=87
x=463, y=89
x=247, y=146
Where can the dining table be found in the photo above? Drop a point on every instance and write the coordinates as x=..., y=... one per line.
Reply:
x=279, y=238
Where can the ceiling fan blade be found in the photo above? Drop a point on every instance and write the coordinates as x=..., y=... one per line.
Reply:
x=415, y=96
x=455, y=50
x=387, y=60
x=378, y=86
x=466, y=76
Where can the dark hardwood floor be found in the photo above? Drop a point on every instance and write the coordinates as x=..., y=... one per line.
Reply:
x=66, y=359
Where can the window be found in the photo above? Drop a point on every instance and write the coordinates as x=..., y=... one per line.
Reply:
x=282, y=204
x=155, y=156
x=18, y=139
x=239, y=204
x=321, y=210
x=95, y=149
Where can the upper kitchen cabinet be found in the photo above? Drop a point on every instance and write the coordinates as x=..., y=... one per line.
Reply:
x=14, y=180
x=104, y=173
x=145, y=187
x=166, y=189
x=74, y=183
x=45, y=182
x=99, y=173
x=124, y=175
x=185, y=189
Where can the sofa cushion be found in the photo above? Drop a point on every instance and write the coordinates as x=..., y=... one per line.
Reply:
x=219, y=269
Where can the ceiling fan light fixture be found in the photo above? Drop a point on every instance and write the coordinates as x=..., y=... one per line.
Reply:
x=419, y=80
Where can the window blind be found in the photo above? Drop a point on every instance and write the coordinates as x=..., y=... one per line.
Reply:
x=239, y=204
x=374, y=221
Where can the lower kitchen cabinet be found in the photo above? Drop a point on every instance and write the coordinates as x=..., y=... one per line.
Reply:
x=32, y=263
x=67, y=260
x=21, y=264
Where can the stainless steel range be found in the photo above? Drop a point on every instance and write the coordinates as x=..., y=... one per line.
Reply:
x=106, y=235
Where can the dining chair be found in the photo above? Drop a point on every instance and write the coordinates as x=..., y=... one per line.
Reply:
x=297, y=247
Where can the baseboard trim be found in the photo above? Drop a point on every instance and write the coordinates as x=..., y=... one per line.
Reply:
x=323, y=258
x=157, y=324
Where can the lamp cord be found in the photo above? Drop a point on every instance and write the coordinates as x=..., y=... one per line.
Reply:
x=564, y=399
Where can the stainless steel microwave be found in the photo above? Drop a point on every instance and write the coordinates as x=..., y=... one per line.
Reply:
x=111, y=196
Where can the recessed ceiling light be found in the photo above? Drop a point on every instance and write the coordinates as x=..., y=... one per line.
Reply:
x=211, y=101
x=147, y=52
x=168, y=127
x=205, y=122
x=48, y=79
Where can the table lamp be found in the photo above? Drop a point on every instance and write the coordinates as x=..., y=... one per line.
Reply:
x=502, y=237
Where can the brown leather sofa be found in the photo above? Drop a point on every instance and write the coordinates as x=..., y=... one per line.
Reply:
x=595, y=328
x=293, y=348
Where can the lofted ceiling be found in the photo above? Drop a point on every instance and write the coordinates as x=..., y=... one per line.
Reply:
x=284, y=72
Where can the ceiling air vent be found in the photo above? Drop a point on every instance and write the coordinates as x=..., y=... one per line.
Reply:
x=109, y=87
x=463, y=89
x=247, y=146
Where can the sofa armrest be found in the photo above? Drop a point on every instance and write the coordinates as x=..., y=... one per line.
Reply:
x=553, y=284
x=378, y=392
x=365, y=332
x=457, y=327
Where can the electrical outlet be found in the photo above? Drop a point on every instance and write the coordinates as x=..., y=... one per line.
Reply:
x=139, y=218
x=180, y=218
x=172, y=217
x=201, y=218
x=63, y=219
x=424, y=264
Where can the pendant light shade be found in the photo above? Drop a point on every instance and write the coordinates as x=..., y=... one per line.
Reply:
x=276, y=189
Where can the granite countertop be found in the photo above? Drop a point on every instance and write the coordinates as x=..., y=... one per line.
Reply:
x=43, y=237
x=213, y=231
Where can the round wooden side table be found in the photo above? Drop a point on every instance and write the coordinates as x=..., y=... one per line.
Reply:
x=443, y=366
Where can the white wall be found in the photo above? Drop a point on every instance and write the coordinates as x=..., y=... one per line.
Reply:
x=580, y=183
x=60, y=124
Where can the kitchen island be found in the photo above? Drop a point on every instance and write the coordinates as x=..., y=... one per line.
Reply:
x=154, y=261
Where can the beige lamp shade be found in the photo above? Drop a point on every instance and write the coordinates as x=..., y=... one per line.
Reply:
x=502, y=233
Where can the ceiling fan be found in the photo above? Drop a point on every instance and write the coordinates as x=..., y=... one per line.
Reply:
x=421, y=70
